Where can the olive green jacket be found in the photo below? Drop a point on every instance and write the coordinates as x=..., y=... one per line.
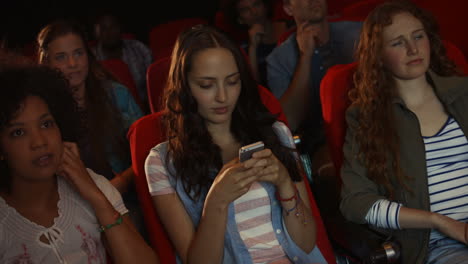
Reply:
x=359, y=193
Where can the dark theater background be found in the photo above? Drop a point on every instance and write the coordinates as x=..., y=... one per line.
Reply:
x=21, y=20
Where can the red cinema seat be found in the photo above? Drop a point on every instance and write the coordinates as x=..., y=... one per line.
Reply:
x=278, y=13
x=236, y=34
x=143, y=135
x=283, y=37
x=452, y=20
x=334, y=97
x=457, y=56
x=163, y=36
x=335, y=7
x=156, y=79
x=358, y=10
x=272, y=103
x=30, y=50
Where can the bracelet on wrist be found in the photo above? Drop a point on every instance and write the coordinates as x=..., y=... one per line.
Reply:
x=294, y=197
x=288, y=211
x=299, y=213
x=118, y=219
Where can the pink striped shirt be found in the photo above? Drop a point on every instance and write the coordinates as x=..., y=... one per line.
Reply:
x=252, y=210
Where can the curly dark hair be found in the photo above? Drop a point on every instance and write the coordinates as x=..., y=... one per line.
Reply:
x=191, y=146
x=101, y=116
x=374, y=89
x=19, y=81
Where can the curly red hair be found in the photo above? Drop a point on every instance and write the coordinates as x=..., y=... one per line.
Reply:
x=374, y=89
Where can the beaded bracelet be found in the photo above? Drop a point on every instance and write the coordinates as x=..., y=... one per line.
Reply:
x=294, y=197
x=297, y=209
x=288, y=211
x=118, y=220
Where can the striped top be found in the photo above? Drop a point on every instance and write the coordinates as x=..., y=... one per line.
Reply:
x=252, y=210
x=447, y=170
x=384, y=214
x=253, y=218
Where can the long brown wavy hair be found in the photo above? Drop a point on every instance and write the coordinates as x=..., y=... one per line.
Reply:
x=101, y=119
x=375, y=88
x=191, y=147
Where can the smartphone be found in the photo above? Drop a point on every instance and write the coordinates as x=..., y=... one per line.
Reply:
x=245, y=152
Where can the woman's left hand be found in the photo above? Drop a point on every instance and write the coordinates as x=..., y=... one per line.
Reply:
x=273, y=170
x=73, y=170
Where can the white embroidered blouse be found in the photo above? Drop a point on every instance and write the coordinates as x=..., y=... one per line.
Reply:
x=73, y=238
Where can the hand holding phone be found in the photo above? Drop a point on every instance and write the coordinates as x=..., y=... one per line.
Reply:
x=245, y=152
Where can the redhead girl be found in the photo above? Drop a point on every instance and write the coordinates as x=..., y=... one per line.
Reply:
x=406, y=162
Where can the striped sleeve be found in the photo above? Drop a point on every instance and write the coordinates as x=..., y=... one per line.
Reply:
x=384, y=214
x=157, y=175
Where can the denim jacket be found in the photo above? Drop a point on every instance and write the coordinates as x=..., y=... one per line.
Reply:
x=130, y=111
x=235, y=250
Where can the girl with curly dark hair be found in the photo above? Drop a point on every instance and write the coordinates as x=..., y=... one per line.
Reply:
x=406, y=168
x=215, y=208
x=53, y=209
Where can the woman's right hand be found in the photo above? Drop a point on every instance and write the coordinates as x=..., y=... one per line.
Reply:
x=233, y=181
x=256, y=33
x=307, y=38
x=74, y=171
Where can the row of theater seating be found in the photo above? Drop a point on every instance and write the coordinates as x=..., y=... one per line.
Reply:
x=162, y=38
x=157, y=73
x=147, y=132
x=450, y=18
